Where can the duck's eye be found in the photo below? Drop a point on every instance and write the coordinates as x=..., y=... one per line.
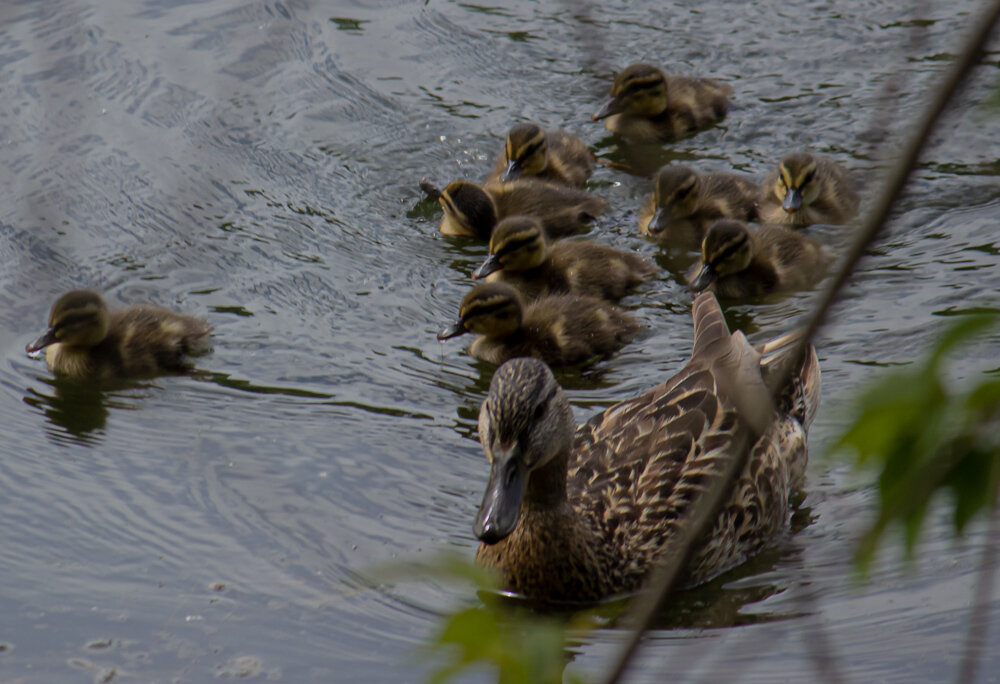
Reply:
x=808, y=178
x=540, y=410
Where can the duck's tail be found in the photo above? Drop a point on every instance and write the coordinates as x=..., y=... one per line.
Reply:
x=796, y=391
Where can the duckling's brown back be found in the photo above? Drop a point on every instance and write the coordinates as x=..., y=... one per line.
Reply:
x=561, y=209
x=571, y=329
x=144, y=340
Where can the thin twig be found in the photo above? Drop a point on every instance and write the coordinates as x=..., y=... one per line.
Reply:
x=979, y=615
x=664, y=576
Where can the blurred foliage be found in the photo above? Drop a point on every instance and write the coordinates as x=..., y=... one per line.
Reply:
x=518, y=640
x=926, y=436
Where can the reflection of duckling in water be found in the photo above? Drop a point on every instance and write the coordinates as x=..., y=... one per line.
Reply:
x=554, y=155
x=647, y=105
x=473, y=210
x=85, y=340
x=520, y=256
x=560, y=329
x=684, y=203
x=737, y=262
x=806, y=189
x=583, y=513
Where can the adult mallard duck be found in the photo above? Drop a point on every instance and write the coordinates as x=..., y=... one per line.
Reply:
x=521, y=256
x=737, y=262
x=86, y=340
x=684, y=203
x=647, y=105
x=806, y=189
x=473, y=210
x=562, y=330
x=580, y=516
x=553, y=155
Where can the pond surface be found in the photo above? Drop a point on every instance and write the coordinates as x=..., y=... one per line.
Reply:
x=255, y=163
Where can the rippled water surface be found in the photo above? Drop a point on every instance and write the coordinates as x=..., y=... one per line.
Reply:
x=255, y=163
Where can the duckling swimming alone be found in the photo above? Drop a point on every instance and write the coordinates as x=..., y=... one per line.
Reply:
x=85, y=340
x=583, y=515
x=647, y=105
x=562, y=330
x=737, y=262
x=473, y=210
x=806, y=189
x=554, y=155
x=521, y=256
x=684, y=203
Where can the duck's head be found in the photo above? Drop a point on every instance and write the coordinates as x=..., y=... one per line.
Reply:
x=525, y=423
x=725, y=250
x=78, y=319
x=798, y=183
x=469, y=206
x=491, y=309
x=517, y=244
x=526, y=153
x=640, y=89
x=675, y=194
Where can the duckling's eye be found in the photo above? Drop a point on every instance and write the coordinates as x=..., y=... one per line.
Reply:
x=808, y=178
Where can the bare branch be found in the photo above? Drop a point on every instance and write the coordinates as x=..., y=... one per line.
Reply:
x=979, y=614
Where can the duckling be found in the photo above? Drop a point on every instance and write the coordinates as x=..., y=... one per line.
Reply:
x=806, y=189
x=561, y=329
x=473, y=210
x=684, y=203
x=554, y=156
x=584, y=514
x=647, y=105
x=86, y=340
x=521, y=256
x=738, y=262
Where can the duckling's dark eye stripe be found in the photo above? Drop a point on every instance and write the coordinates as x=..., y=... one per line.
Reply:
x=485, y=309
x=449, y=204
x=729, y=250
x=640, y=84
x=515, y=244
x=808, y=177
x=72, y=320
x=529, y=150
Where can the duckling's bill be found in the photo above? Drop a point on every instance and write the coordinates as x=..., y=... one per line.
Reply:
x=36, y=349
x=491, y=265
x=454, y=330
x=501, y=506
x=704, y=278
x=659, y=222
x=511, y=171
x=612, y=106
x=792, y=201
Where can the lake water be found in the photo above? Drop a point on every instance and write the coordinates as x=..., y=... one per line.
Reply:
x=256, y=163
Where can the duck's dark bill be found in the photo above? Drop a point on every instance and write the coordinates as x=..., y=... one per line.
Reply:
x=45, y=339
x=491, y=265
x=497, y=516
x=453, y=330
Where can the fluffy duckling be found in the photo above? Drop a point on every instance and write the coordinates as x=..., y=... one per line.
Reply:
x=582, y=514
x=521, y=256
x=86, y=340
x=647, y=105
x=684, y=203
x=737, y=262
x=555, y=156
x=473, y=210
x=806, y=189
x=562, y=330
